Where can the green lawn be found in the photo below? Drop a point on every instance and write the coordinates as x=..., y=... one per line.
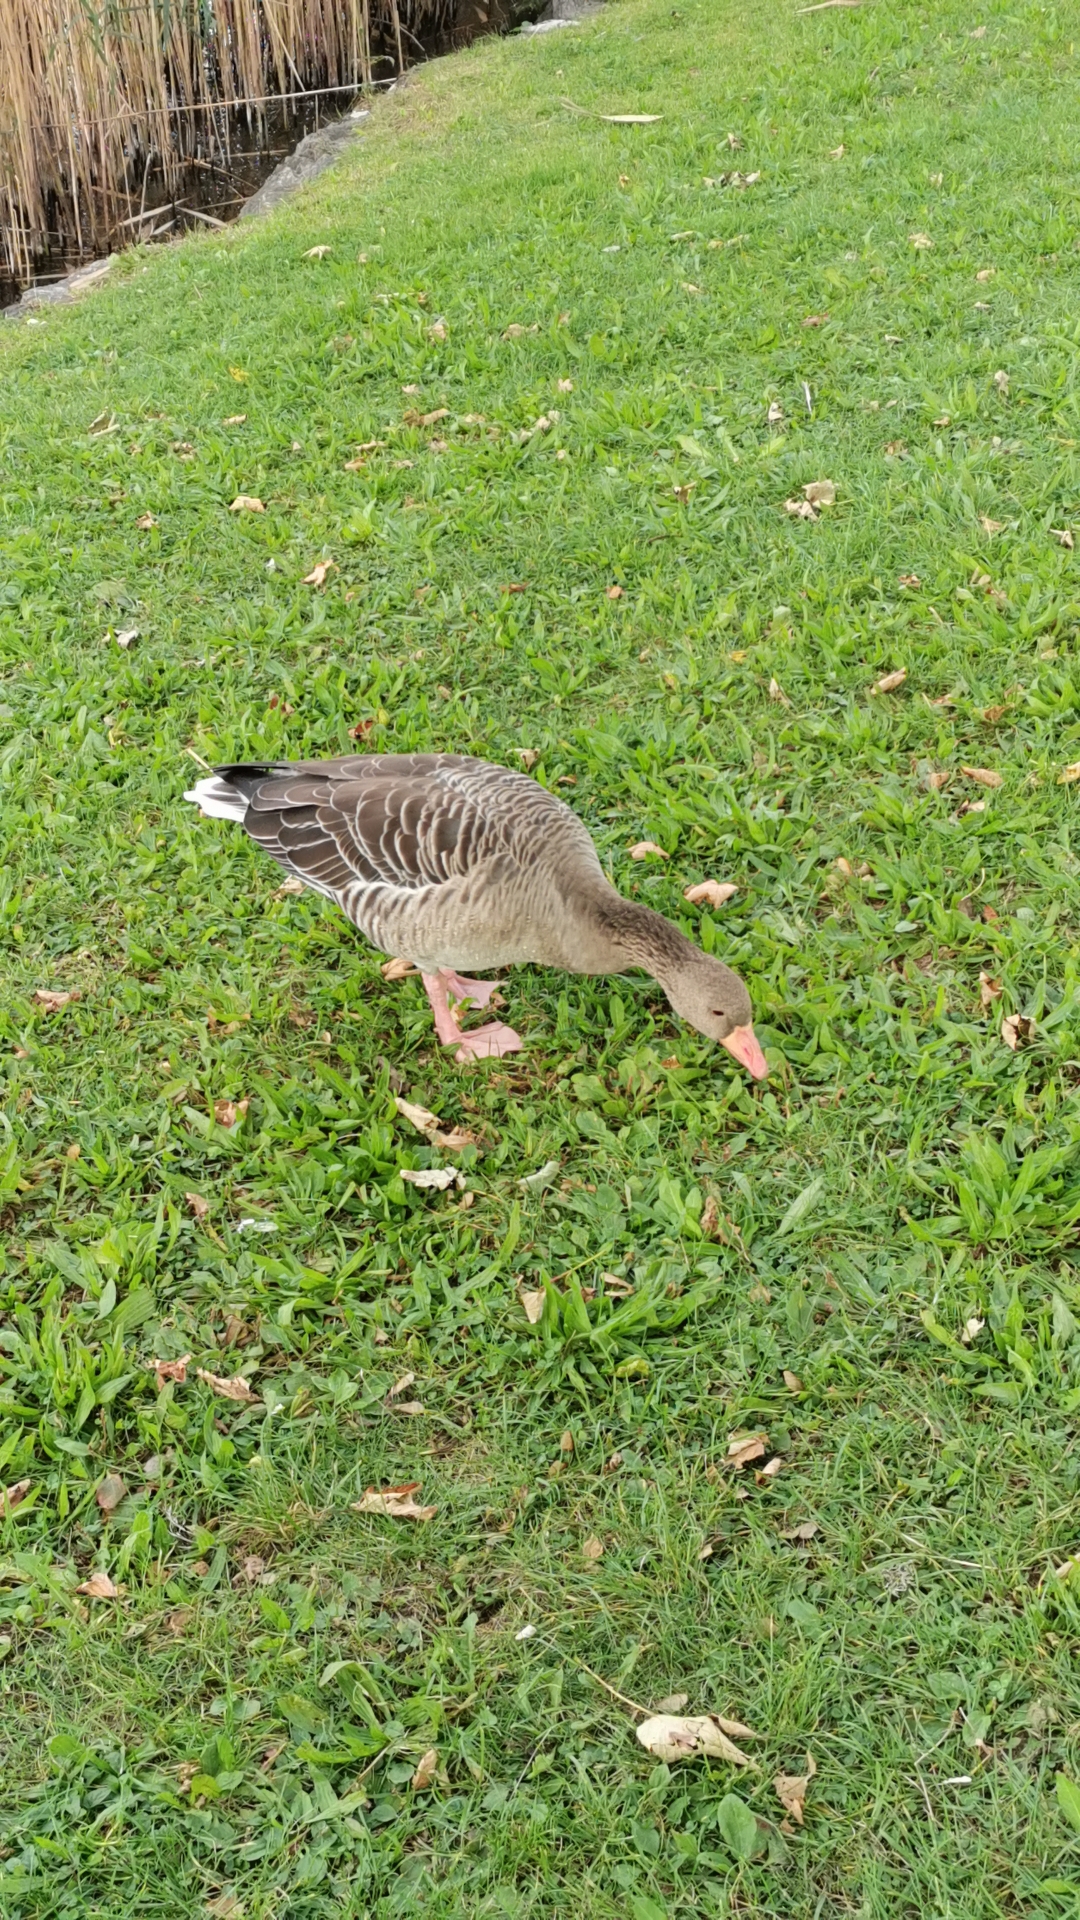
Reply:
x=871, y=1259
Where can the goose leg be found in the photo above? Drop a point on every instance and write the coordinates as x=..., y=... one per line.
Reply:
x=476, y=1043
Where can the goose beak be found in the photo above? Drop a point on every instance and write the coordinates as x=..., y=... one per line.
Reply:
x=743, y=1043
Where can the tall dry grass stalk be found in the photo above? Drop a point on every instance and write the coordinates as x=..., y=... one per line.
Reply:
x=95, y=93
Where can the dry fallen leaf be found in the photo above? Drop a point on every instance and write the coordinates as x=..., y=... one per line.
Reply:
x=711, y=893
x=775, y=415
x=983, y=776
x=1001, y=381
x=1069, y=774
x=399, y=1386
x=776, y=692
x=1064, y=535
x=98, y=1587
x=228, y=1112
x=394, y=1503
x=593, y=1549
x=792, y=1381
x=820, y=493
x=792, y=1789
x=317, y=253
x=247, y=503
x=1017, y=1030
x=804, y=1533
x=614, y=593
x=436, y=1178
x=989, y=991
x=145, y=521
x=110, y=1493
x=293, y=885
x=672, y=1703
x=532, y=1300
x=990, y=526
x=236, y=1388
x=234, y=419
x=671, y=1737
x=920, y=241
x=229, y=1906
x=253, y=1566
x=418, y=1117
x=51, y=1000
x=528, y=757
x=643, y=849
x=171, y=1370
x=12, y=1497
x=815, y=319
x=910, y=580
x=426, y=1769
x=199, y=1207
x=890, y=681
x=317, y=576
x=630, y=119
x=769, y=1471
x=800, y=509
x=972, y=1329
x=744, y=1447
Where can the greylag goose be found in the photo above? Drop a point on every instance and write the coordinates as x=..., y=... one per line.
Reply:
x=453, y=863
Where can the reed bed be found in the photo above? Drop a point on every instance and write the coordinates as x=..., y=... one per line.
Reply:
x=98, y=96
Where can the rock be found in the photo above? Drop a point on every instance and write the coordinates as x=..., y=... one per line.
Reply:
x=314, y=154
x=58, y=293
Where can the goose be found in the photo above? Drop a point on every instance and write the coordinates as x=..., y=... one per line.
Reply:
x=454, y=863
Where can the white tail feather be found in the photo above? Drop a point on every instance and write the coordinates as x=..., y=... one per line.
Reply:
x=218, y=800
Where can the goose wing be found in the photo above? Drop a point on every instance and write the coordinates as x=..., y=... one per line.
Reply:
x=404, y=821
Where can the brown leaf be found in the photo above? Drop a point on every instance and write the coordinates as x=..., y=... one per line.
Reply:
x=533, y=1301
x=920, y=241
x=989, y=991
x=426, y=1769
x=399, y=1386
x=815, y=319
x=776, y=692
x=592, y=1548
x=394, y=1503
x=615, y=1287
x=710, y=1217
x=1069, y=774
x=744, y=1447
x=566, y=1441
x=935, y=778
x=247, y=503
x=317, y=576
x=792, y=1381
x=910, y=580
x=614, y=592
x=710, y=892
x=438, y=330
x=671, y=1737
x=110, y=1493
x=145, y=521
x=804, y=1533
x=435, y=1179
x=682, y=494
x=53, y=1001
x=458, y=1138
x=418, y=1117
x=165, y=1370
x=643, y=849
x=775, y=415
x=991, y=526
x=234, y=420
x=1017, y=1030
x=317, y=253
x=12, y=1497
x=672, y=1703
x=983, y=776
x=630, y=119
x=236, y=1388
x=820, y=493
x=992, y=715
x=1064, y=535
x=253, y=1566
x=1001, y=381
x=890, y=681
x=792, y=1789
x=98, y=1587
x=971, y=1330
x=528, y=757
x=896, y=449
x=199, y=1207
x=800, y=509
x=177, y=1620
x=228, y=1112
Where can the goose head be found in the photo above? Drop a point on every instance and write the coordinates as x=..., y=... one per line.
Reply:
x=713, y=999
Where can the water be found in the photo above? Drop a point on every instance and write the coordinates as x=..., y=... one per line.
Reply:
x=235, y=154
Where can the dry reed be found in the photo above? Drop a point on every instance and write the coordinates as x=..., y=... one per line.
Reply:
x=95, y=94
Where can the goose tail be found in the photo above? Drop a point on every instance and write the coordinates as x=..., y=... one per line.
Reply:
x=218, y=799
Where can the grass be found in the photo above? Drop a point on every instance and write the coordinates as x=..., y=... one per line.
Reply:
x=243, y=1722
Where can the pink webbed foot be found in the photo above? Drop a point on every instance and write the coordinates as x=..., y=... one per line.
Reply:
x=447, y=991
x=488, y=1043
